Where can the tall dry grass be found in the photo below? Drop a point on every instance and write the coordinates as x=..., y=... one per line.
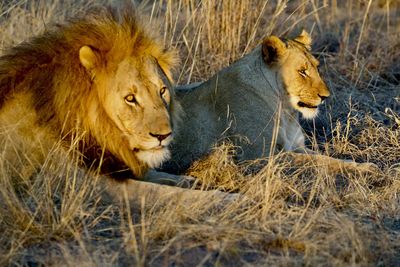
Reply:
x=291, y=215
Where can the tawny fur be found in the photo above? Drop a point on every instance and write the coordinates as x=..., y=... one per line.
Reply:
x=100, y=87
x=254, y=103
x=48, y=96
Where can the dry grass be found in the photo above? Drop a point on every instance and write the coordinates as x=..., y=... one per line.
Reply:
x=291, y=215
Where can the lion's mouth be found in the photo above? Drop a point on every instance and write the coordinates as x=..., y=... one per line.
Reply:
x=157, y=148
x=305, y=105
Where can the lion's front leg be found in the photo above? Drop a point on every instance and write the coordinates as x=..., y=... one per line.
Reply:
x=302, y=156
x=136, y=190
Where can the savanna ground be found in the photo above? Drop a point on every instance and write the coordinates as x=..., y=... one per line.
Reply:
x=290, y=216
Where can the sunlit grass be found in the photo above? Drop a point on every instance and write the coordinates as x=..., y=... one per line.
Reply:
x=291, y=215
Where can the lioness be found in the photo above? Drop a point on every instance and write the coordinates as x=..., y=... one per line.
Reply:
x=255, y=103
x=99, y=85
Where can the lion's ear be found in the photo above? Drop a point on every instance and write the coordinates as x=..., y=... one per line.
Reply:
x=88, y=57
x=305, y=39
x=273, y=49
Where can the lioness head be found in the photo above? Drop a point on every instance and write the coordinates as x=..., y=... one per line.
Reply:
x=135, y=94
x=298, y=72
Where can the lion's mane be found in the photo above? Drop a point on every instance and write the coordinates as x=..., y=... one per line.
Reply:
x=48, y=69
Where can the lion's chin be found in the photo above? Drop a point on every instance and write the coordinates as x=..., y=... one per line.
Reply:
x=154, y=157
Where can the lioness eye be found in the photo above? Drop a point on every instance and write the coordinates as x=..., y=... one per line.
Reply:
x=163, y=90
x=130, y=99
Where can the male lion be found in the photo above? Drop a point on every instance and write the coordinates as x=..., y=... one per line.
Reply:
x=99, y=84
x=255, y=103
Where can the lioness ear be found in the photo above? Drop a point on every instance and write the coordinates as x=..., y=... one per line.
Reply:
x=305, y=39
x=273, y=49
x=88, y=57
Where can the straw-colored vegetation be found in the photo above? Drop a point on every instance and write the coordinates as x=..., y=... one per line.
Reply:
x=290, y=215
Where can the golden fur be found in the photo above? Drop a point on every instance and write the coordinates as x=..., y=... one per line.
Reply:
x=254, y=103
x=100, y=78
x=99, y=86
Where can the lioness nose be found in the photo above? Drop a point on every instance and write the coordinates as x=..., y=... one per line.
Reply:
x=322, y=97
x=160, y=137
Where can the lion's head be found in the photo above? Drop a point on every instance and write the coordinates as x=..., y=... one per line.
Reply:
x=106, y=77
x=135, y=95
x=298, y=71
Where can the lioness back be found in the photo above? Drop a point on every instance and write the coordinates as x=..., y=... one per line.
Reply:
x=246, y=101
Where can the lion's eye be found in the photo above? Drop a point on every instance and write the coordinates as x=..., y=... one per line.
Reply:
x=163, y=90
x=130, y=99
x=303, y=72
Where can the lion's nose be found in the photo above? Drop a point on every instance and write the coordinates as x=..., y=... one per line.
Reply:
x=160, y=137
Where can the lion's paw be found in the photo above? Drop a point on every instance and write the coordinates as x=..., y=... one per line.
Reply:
x=369, y=167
